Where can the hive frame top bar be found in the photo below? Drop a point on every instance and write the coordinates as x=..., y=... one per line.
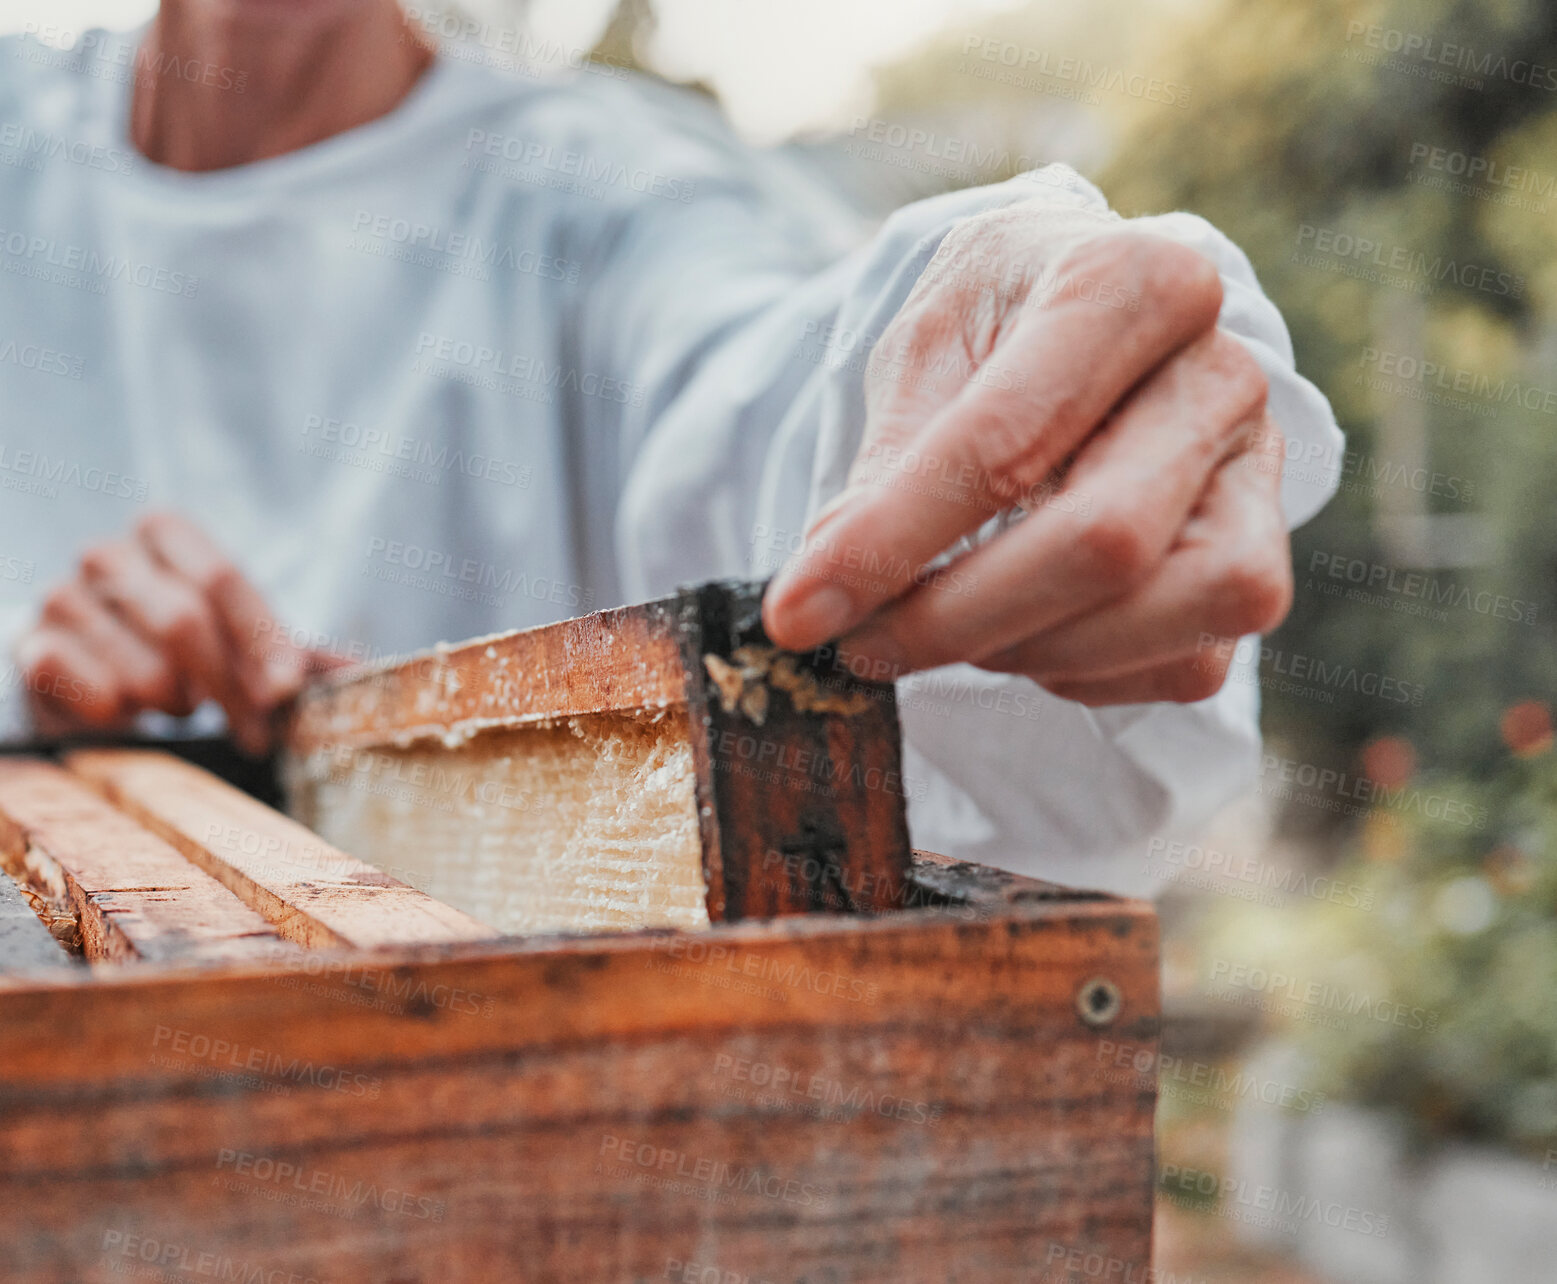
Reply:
x=622, y=659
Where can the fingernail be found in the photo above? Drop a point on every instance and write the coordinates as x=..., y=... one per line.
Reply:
x=813, y=612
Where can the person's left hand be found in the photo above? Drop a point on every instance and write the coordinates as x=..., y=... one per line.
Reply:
x=1095, y=391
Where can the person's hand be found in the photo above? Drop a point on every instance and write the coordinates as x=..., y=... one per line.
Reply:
x=160, y=620
x=1091, y=388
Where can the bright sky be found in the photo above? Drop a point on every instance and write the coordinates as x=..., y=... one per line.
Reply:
x=778, y=65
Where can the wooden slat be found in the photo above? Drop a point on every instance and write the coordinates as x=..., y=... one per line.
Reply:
x=623, y=659
x=597, y=1110
x=24, y=941
x=134, y=895
x=313, y=893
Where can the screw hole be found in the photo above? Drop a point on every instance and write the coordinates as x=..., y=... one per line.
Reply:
x=1099, y=1001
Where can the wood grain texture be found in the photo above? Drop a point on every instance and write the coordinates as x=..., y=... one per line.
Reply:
x=134, y=896
x=908, y=1097
x=801, y=797
x=626, y=658
x=314, y=894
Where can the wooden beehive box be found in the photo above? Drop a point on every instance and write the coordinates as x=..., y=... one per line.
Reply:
x=291, y=1066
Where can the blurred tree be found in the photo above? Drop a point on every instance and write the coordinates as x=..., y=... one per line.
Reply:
x=1342, y=119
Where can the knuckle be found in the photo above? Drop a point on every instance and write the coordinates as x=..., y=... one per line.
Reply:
x=1117, y=549
x=1256, y=593
x=221, y=578
x=1199, y=680
x=103, y=561
x=1184, y=280
x=64, y=605
x=1239, y=377
x=181, y=619
x=1175, y=279
x=156, y=524
x=1000, y=442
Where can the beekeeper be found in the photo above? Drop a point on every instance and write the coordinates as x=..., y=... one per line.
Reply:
x=319, y=340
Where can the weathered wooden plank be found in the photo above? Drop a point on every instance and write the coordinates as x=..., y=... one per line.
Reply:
x=903, y=1097
x=24, y=941
x=134, y=896
x=799, y=771
x=313, y=893
x=627, y=658
x=778, y=775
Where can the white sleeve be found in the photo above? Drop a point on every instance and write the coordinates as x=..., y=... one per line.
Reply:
x=757, y=432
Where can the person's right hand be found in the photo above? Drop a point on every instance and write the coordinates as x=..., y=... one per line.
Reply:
x=160, y=620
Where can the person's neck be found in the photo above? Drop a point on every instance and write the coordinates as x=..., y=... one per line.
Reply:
x=217, y=86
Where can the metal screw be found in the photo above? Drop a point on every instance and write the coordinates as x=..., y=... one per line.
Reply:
x=1099, y=1001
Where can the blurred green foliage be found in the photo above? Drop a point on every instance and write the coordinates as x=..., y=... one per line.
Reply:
x=1290, y=128
x=1435, y=1001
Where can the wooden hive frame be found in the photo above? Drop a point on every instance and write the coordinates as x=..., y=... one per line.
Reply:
x=948, y=1088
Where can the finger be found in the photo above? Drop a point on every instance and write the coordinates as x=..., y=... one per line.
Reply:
x=144, y=677
x=260, y=653
x=1180, y=681
x=1230, y=575
x=169, y=614
x=1131, y=489
x=67, y=682
x=998, y=439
